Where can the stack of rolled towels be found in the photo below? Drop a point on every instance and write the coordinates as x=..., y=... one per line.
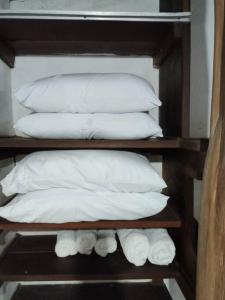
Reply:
x=154, y=245
x=88, y=106
x=71, y=242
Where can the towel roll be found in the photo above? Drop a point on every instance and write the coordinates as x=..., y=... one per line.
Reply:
x=135, y=245
x=106, y=242
x=86, y=240
x=162, y=249
x=66, y=243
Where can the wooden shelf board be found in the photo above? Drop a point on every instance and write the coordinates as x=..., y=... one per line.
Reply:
x=32, y=258
x=87, y=291
x=168, y=218
x=49, y=36
x=151, y=143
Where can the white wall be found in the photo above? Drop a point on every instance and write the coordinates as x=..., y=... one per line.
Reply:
x=5, y=100
x=202, y=32
x=4, y=4
x=202, y=49
x=5, y=116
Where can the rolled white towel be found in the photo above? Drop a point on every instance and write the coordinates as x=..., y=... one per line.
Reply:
x=162, y=249
x=106, y=242
x=135, y=245
x=66, y=243
x=86, y=240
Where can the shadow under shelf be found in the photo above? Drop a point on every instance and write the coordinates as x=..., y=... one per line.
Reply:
x=31, y=258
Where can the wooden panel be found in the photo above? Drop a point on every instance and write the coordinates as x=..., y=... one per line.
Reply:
x=174, y=86
x=174, y=5
x=167, y=218
x=7, y=54
x=211, y=254
x=32, y=258
x=29, y=36
x=122, y=48
x=149, y=144
x=158, y=143
x=178, y=175
x=98, y=291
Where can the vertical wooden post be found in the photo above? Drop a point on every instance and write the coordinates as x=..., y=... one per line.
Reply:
x=211, y=245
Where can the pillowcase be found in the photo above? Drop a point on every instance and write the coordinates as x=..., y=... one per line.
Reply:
x=68, y=205
x=88, y=126
x=116, y=171
x=89, y=93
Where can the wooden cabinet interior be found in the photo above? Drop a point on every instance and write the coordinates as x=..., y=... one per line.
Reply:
x=182, y=157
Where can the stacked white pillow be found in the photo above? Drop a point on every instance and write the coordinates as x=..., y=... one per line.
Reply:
x=82, y=185
x=89, y=106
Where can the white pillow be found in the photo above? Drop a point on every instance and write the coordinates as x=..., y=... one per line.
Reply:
x=68, y=205
x=89, y=93
x=88, y=126
x=116, y=171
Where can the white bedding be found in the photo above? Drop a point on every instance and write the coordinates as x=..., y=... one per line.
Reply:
x=88, y=126
x=89, y=93
x=68, y=205
x=103, y=170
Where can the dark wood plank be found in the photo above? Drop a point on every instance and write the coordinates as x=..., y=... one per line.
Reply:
x=174, y=91
x=11, y=143
x=7, y=54
x=32, y=258
x=168, y=218
x=98, y=291
x=158, y=143
x=180, y=187
x=122, y=48
x=27, y=36
x=165, y=49
x=174, y=5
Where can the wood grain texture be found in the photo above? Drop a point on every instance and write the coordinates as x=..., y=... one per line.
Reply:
x=31, y=258
x=217, y=69
x=94, y=291
x=211, y=246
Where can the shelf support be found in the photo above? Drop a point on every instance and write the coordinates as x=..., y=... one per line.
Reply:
x=7, y=54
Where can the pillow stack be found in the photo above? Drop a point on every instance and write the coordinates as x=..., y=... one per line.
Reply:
x=82, y=185
x=89, y=106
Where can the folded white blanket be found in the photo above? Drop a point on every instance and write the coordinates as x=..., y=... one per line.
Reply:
x=66, y=243
x=106, y=242
x=161, y=247
x=86, y=240
x=135, y=245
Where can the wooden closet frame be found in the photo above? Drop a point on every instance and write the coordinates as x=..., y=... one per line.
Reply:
x=182, y=157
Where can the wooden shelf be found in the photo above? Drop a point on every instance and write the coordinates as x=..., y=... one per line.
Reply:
x=151, y=143
x=22, y=34
x=168, y=218
x=87, y=291
x=31, y=258
x=158, y=143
